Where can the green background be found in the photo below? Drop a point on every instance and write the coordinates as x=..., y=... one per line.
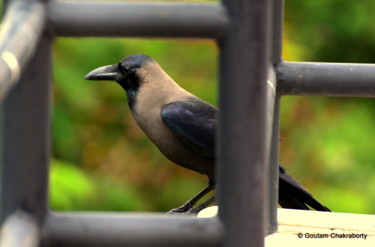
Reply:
x=102, y=161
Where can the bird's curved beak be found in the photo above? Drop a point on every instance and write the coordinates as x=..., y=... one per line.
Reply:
x=105, y=73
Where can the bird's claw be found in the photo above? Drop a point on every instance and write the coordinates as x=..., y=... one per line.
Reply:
x=194, y=210
x=184, y=209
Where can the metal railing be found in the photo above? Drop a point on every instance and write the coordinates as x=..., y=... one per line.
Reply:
x=251, y=69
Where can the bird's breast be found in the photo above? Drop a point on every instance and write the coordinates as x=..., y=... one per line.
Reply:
x=147, y=114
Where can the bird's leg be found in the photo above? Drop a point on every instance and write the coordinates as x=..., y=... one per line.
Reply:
x=189, y=204
x=202, y=206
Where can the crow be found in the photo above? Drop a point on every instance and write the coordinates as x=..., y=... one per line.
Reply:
x=182, y=126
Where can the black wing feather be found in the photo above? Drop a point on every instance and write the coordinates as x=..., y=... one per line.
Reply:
x=194, y=122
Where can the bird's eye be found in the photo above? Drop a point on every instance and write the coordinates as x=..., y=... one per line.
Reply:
x=126, y=70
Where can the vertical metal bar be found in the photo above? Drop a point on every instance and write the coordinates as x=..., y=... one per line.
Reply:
x=25, y=139
x=277, y=26
x=272, y=151
x=244, y=64
x=273, y=167
x=20, y=31
x=277, y=30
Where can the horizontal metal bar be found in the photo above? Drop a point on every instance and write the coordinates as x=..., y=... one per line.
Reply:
x=115, y=229
x=202, y=20
x=326, y=79
x=20, y=31
x=20, y=229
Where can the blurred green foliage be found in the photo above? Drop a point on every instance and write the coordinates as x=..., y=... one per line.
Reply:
x=330, y=30
x=103, y=161
x=327, y=143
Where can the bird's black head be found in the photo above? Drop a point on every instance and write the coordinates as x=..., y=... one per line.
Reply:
x=126, y=73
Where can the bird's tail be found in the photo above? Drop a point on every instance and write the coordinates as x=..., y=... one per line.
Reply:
x=293, y=195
